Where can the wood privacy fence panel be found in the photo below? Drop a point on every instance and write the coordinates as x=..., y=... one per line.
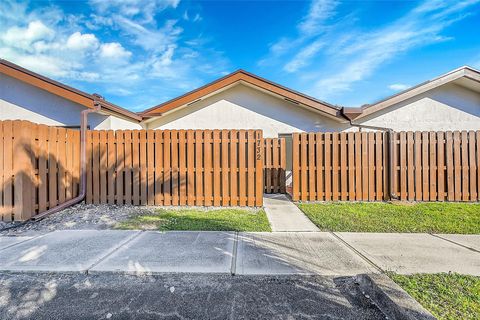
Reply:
x=175, y=167
x=339, y=166
x=275, y=164
x=437, y=166
x=39, y=168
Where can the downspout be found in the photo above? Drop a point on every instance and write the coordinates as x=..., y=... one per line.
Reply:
x=83, y=165
x=393, y=195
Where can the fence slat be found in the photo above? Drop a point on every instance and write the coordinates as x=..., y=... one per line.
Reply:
x=182, y=166
x=242, y=186
x=216, y=169
x=379, y=166
x=42, y=167
x=472, y=166
x=112, y=174
x=136, y=167
x=343, y=166
x=457, y=166
x=225, y=168
x=167, y=178
x=208, y=167
x=233, y=168
x=440, y=167
x=150, y=167
x=358, y=166
x=103, y=164
x=327, y=167
x=174, y=158
x=191, y=167
x=120, y=165
x=319, y=166
x=311, y=167
x=128, y=166
x=335, y=156
x=371, y=166
x=199, y=198
x=351, y=166
x=433, y=166
x=8, y=171
x=159, y=168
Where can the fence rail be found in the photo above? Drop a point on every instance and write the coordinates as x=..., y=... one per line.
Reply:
x=339, y=166
x=39, y=168
x=437, y=166
x=275, y=164
x=427, y=166
x=175, y=167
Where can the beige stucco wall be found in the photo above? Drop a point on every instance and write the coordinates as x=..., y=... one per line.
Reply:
x=242, y=107
x=449, y=107
x=19, y=100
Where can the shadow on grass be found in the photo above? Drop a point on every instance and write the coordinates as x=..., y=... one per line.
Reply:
x=199, y=220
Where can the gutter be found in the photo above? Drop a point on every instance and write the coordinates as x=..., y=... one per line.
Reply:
x=83, y=165
x=389, y=131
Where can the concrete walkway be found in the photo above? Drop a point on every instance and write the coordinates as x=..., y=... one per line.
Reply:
x=323, y=253
x=285, y=216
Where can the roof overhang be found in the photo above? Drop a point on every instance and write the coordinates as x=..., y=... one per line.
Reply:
x=62, y=90
x=251, y=80
x=464, y=76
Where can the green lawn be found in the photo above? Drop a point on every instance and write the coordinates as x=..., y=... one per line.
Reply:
x=446, y=296
x=195, y=219
x=395, y=217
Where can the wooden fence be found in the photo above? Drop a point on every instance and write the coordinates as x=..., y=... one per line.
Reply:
x=339, y=166
x=275, y=164
x=427, y=166
x=175, y=167
x=437, y=166
x=39, y=168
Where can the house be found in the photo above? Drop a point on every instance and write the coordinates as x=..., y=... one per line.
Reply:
x=448, y=102
x=242, y=100
x=29, y=96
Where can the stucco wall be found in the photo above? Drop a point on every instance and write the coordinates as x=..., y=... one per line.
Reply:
x=19, y=100
x=449, y=107
x=242, y=107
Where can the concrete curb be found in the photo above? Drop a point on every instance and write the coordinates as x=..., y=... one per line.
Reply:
x=391, y=299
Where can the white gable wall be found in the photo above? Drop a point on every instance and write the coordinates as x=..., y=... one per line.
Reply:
x=242, y=107
x=19, y=100
x=449, y=107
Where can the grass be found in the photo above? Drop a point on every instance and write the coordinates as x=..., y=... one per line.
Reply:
x=446, y=296
x=395, y=217
x=200, y=220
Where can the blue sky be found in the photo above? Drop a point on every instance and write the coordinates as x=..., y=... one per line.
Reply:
x=138, y=53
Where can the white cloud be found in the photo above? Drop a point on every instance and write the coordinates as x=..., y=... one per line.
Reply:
x=24, y=37
x=81, y=42
x=145, y=10
x=311, y=26
x=319, y=12
x=302, y=58
x=114, y=51
x=398, y=86
x=332, y=52
x=358, y=59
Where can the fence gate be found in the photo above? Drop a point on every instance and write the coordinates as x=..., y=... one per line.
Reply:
x=274, y=165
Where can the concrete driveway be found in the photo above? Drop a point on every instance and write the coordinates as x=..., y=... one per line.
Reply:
x=278, y=253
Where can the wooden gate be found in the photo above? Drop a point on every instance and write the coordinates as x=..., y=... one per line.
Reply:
x=274, y=165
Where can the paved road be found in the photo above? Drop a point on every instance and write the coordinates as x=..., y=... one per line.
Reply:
x=77, y=296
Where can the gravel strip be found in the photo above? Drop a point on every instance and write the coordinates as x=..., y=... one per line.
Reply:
x=89, y=217
x=79, y=217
